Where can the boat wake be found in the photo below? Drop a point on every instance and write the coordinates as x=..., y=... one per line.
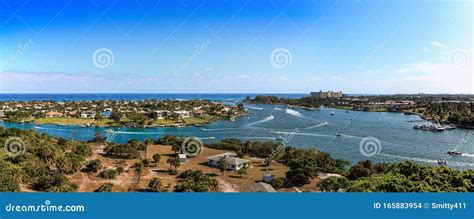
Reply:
x=137, y=133
x=204, y=138
x=254, y=108
x=39, y=127
x=221, y=129
x=277, y=108
x=427, y=160
x=467, y=155
x=298, y=114
x=269, y=118
x=294, y=113
x=302, y=134
x=265, y=138
x=315, y=126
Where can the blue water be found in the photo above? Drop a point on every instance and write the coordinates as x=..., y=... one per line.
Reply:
x=133, y=96
x=302, y=128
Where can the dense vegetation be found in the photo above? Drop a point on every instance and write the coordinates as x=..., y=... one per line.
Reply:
x=196, y=181
x=44, y=164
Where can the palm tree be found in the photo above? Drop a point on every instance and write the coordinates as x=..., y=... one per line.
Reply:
x=222, y=165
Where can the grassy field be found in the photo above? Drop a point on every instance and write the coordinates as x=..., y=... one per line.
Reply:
x=75, y=121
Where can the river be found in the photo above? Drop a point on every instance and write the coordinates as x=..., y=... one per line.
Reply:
x=378, y=136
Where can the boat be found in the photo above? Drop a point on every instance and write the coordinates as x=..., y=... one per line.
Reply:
x=338, y=134
x=442, y=162
x=347, y=111
x=450, y=127
x=109, y=130
x=332, y=113
x=454, y=153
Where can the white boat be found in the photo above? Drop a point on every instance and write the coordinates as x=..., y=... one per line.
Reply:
x=338, y=134
x=332, y=113
x=442, y=162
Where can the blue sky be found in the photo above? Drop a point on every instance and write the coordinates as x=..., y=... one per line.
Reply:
x=172, y=46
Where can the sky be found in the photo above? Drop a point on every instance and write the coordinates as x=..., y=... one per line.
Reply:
x=236, y=46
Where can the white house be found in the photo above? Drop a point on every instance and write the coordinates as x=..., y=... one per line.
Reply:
x=182, y=114
x=233, y=162
x=88, y=114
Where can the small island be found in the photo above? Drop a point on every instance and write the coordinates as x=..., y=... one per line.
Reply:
x=120, y=113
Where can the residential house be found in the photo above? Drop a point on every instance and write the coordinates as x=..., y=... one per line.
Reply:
x=183, y=114
x=199, y=112
x=106, y=113
x=53, y=114
x=262, y=187
x=233, y=162
x=88, y=114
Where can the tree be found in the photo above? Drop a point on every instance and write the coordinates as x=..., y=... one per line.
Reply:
x=109, y=174
x=155, y=184
x=195, y=181
x=333, y=184
x=106, y=187
x=116, y=116
x=175, y=148
x=222, y=165
x=146, y=162
x=156, y=157
x=278, y=183
x=174, y=162
x=9, y=181
x=93, y=166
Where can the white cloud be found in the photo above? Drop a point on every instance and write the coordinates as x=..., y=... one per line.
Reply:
x=425, y=49
x=437, y=44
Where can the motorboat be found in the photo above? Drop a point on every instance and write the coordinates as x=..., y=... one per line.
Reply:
x=109, y=130
x=338, y=134
x=332, y=113
x=442, y=162
x=454, y=153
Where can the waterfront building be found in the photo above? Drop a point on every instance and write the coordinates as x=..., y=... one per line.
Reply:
x=328, y=94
